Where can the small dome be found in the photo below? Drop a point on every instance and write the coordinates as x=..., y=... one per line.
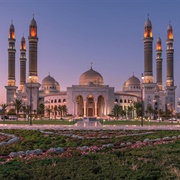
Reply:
x=148, y=23
x=48, y=80
x=33, y=22
x=11, y=26
x=49, y=83
x=132, y=81
x=91, y=77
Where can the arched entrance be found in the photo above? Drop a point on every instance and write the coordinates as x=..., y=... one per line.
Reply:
x=100, y=106
x=90, y=105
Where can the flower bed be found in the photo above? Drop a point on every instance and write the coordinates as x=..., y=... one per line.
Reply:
x=123, y=154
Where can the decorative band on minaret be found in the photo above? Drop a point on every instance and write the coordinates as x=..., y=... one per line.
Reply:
x=159, y=63
x=11, y=56
x=33, y=41
x=148, y=64
x=170, y=57
x=22, y=63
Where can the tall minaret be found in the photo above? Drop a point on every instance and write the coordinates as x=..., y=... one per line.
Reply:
x=11, y=56
x=148, y=86
x=159, y=63
x=170, y=57
x=22, y=63
x=170, y=88
x=11, y=88
x=33, y=42
x=148, y=63
x=33, y=85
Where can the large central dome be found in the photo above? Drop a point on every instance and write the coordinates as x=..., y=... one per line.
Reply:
x=91, y=77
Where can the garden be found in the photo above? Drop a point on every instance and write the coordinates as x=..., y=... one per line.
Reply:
x=89, y=154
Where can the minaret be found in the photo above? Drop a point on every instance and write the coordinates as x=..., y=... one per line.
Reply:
x=148, y=87
x=148, y=64
x=33, y=42
x=159, y=63
x=170, y=57
x=33, y=85
x=11, y=88
x=22, y=63
x=170, y=88
x=11, y=57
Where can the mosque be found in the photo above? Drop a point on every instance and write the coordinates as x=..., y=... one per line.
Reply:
x=91, y=97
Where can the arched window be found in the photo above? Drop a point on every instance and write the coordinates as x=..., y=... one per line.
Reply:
x=64, y=100
x=125, y=101
x=51, y=101
x=121, y=100
x=55, y=101
x=59, y=100
x=116, y=101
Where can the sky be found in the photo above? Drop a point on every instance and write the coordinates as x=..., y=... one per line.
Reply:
x=74, y=33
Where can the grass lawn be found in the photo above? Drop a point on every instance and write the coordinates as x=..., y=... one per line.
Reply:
x=127, y=122
x=53, y=122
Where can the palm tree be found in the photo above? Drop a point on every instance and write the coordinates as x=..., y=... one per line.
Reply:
x=64, y=110
x=138, y=108
x=41, y=110
x=18, y=104
x=149, y=110
x=48, y=110
x=26, y=110
x=116, y=111
x=3, y=109
x=60, y=110
x=55, y=111
x=129, y=111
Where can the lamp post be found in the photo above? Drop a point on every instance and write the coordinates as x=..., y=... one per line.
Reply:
x=49, y=113
x=154, y=101
x=142, y=101
x=30, y=123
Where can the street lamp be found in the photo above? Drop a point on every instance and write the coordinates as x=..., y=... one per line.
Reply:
x=142, y=101
x=154, y=101
x=30, y=123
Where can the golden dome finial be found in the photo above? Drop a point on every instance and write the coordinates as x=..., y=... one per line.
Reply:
x=91, y=65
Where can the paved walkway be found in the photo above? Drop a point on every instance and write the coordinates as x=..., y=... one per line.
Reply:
x=82, y=127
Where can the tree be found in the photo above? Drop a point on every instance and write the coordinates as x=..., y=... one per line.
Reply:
x=3, y=109
x=41, y=109
x=48, y=110
x=62, y=110
x=138, y=108
x=149, y=110
x=55, y=111
x=129, y=111
x=17, y=104
x=116, y=111
x=26, y=110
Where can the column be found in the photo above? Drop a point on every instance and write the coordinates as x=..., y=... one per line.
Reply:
x=95, y=108
x=84, y=108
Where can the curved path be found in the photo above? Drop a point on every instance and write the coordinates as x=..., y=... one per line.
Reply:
x=99, y=127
